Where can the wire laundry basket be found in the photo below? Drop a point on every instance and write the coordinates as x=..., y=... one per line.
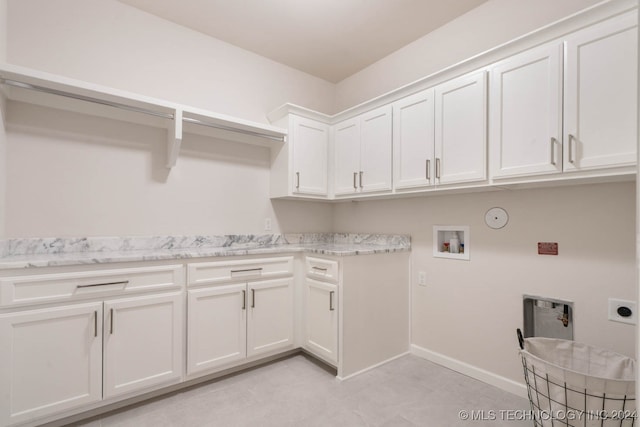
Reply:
x=574, y=384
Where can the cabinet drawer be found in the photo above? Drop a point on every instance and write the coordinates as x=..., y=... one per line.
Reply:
x=207, y=273
x=322, y=269
x=44, y=288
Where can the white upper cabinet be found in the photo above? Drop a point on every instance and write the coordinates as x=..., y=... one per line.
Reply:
x=299, y=165
x=461, y=129
x=525, y=131
x=413, y=140
x=362, y=149
x=541, y=124
x=601, y=104
x=346, y=146
x=375, y=148
x=560, y=103
x=310, y=144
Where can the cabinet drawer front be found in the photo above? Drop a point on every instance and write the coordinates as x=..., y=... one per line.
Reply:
x=44, y=288
x=322, y=269
x=207, y=273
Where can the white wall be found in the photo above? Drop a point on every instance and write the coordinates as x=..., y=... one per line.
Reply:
x=110, y=43
x=489, y=25
x=470, y=310
x=74, y=175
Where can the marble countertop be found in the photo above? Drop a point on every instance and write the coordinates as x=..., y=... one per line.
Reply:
x=49, y=252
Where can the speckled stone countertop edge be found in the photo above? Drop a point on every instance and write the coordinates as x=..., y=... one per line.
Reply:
x=331, y=244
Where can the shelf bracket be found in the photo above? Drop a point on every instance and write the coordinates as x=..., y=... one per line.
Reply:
x=174, y=139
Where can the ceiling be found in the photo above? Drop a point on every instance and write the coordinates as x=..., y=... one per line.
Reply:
x=330, y=39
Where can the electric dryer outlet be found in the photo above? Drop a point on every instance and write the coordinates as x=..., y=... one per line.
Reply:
x=622, y=311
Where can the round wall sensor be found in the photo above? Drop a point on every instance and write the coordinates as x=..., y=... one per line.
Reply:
x=496, y=218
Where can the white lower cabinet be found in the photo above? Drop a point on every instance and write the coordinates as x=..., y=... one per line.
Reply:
x=217, y=327
x=321, y=319
x=270, y=316
x=50, y=361
x=356, y=310
x=89, y=343
x=142, y=342
x=229, y=322
x=60, y=358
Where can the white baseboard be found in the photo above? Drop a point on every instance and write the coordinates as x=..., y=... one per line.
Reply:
x=471, y=371
x=373, y=366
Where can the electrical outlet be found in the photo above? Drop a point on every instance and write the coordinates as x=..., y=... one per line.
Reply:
x=622, y=311
x=267, y=224
x=422, y=278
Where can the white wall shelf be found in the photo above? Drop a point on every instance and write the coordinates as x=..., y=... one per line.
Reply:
x=444, y=233
x=49, y=90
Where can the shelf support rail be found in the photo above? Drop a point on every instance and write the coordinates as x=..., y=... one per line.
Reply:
x=86, y=98
x=174, y=133
x=232, y=129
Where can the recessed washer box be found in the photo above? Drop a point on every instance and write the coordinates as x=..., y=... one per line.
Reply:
x=624, y=311
x=442, y=234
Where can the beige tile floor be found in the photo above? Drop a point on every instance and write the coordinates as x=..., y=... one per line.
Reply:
x=408, y=391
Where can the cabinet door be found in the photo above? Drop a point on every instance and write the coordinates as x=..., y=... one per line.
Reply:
x=142, y=342
x=460, y=132
x=50, y=361
x=346, y=144
x=216, y=327
x=413, y=138
x=310, y=150
x=525, y=121
x=270, y=316
x=321, y=319
x=601, y=111
x=375, y=149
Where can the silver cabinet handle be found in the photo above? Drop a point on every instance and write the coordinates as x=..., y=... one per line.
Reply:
x=253, y=298
x=297, y=180
x=319, y=268
x=123, y=282
x=355, y=176
x=571, y=138
x=111, y=321
x=244, y=299
x=553, y=151
x=246, y=270
x=95, y=323
x=361, y=178
x=428, y=169
x=437, y=168
x=331, y=307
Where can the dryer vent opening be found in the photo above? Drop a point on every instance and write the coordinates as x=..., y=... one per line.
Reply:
x=546, y=317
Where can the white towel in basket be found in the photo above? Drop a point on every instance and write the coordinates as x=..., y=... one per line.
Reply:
x=571, y=383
